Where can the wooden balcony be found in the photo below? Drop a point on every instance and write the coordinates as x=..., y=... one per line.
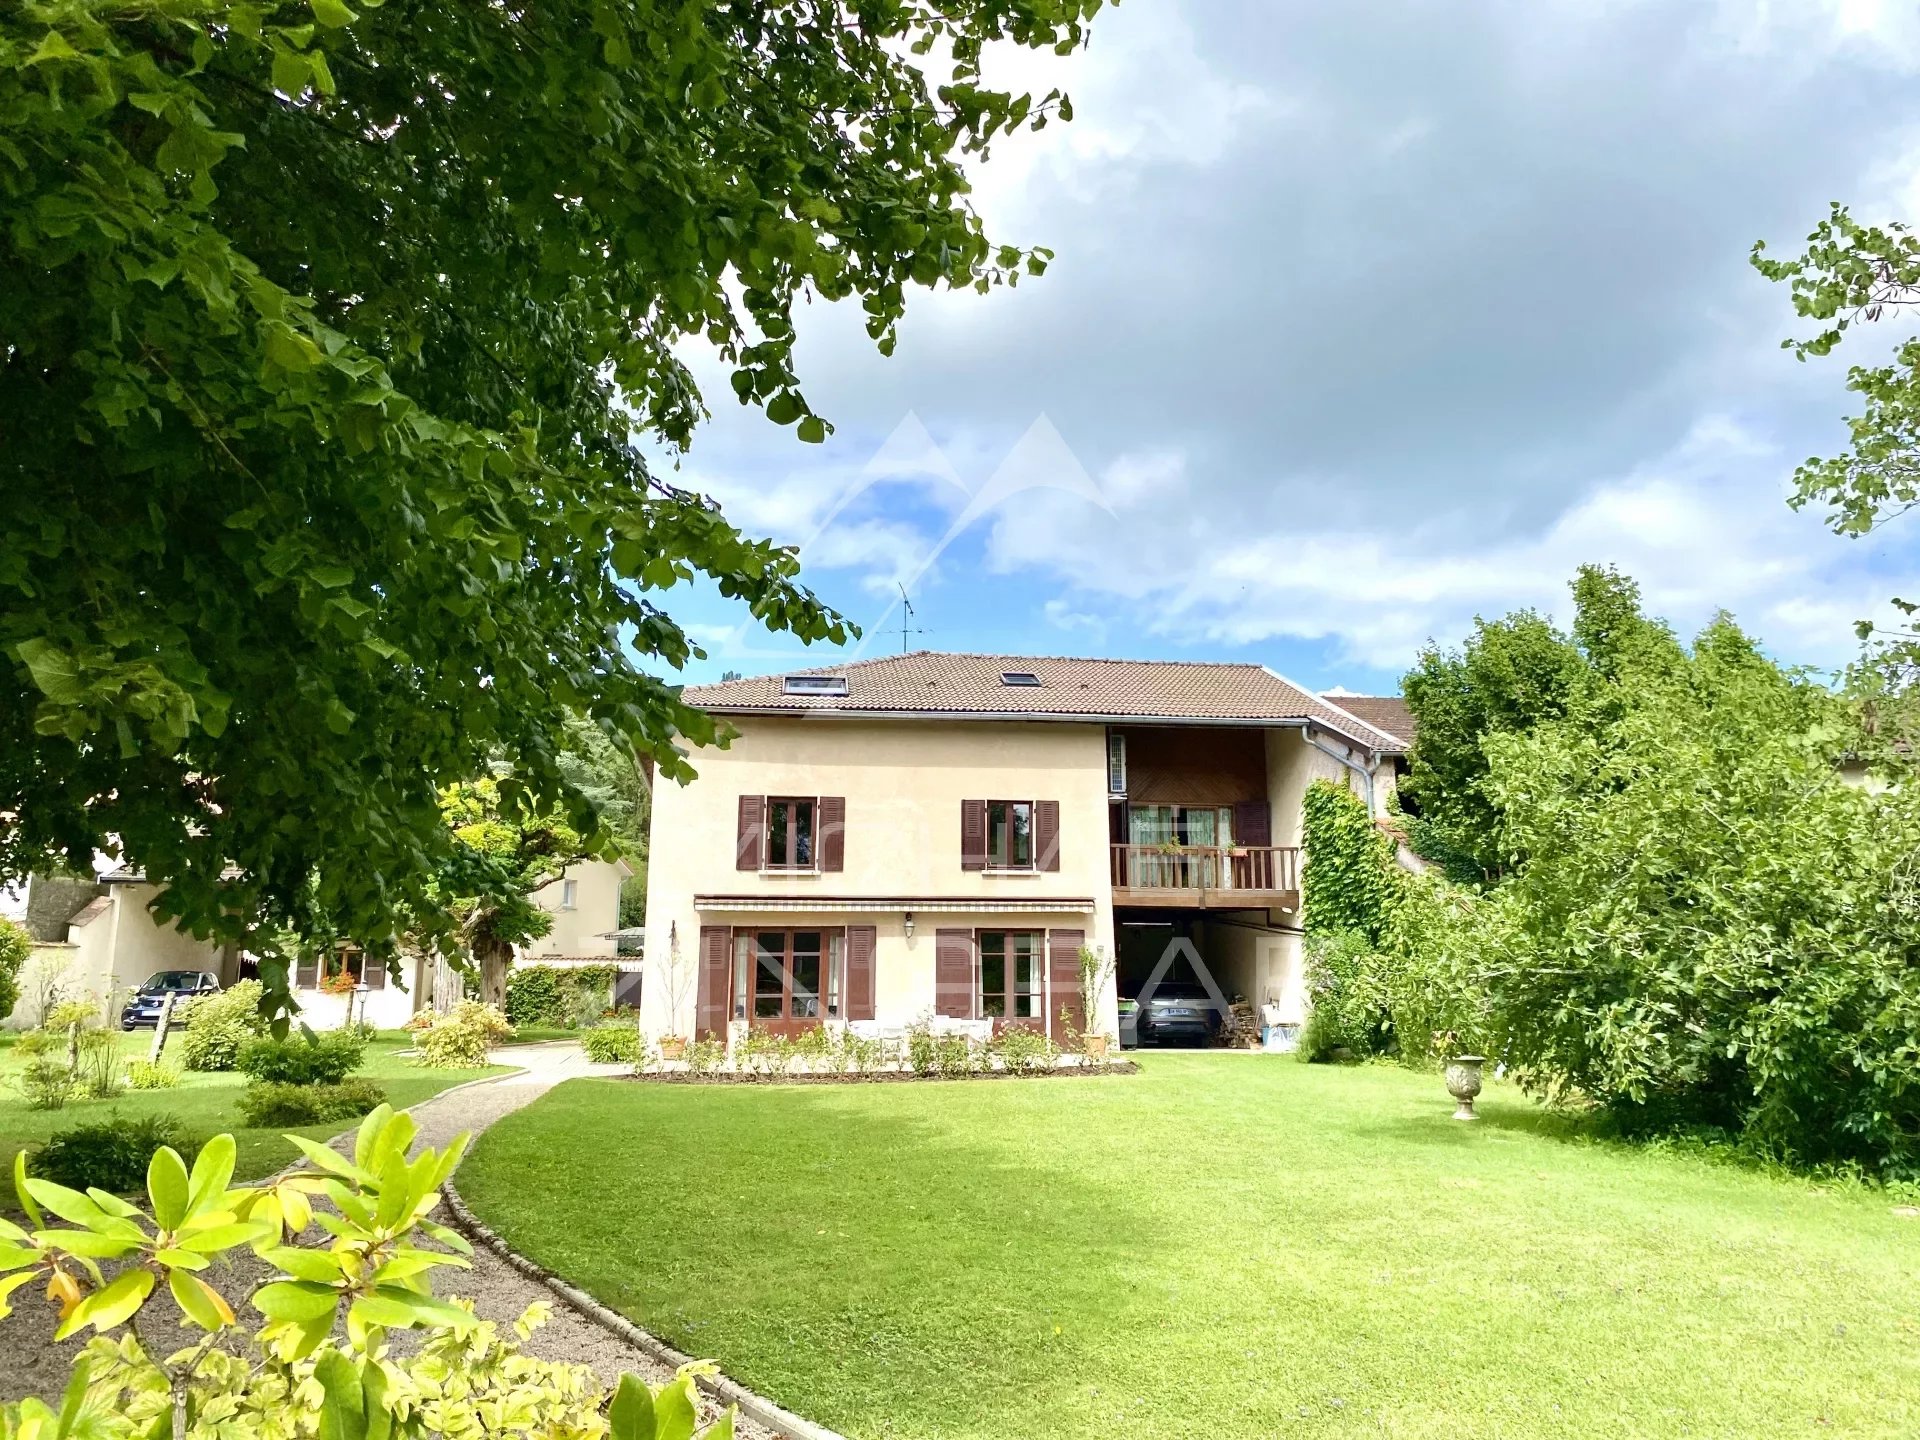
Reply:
x=1233, y=877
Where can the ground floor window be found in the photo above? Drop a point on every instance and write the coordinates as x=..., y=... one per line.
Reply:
x=787, y=976
x=1010, y=975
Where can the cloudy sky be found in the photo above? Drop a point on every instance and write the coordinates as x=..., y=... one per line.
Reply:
x=1365, y=319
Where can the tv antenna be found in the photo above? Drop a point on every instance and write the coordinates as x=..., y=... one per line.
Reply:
x=906, y=618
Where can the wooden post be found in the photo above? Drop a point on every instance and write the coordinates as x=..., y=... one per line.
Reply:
x=160, y=1030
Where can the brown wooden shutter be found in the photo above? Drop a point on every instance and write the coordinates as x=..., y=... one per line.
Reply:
x=711, y=1015
x=1046, y=834
x=1063, y=978
x=373, y=973
x=750, y=834
x=306, y=972
x=831, y=843
x=1252, y=823
x=953, y=973
x=973, y=834
x=860, y=977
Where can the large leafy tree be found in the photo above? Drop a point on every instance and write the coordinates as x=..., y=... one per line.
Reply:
x=326, y=336
x=1712, y=927
x=1512, y=674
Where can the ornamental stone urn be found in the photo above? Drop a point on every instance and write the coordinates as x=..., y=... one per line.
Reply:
x=1463, y=1083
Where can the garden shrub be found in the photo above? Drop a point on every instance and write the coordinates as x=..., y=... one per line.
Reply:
x=533, y=996
x=324, y=1059
x=111, y=1155
x=706, y=1056
x=96, y=1067
x=612, y=1044
x=16, y=948
x=460, y=1039
x=268, y=1103
x=1024, y=1050
x=46, y=1083
x=143, y=1074
x=218, y=1026
x=32, y=1044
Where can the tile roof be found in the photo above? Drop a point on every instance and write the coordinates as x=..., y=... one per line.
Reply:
x=930, y=682
x=1383, y=712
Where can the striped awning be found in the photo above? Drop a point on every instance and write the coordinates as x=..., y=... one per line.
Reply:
x=860, y=904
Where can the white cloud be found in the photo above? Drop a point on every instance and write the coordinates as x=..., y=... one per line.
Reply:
x=1703, y=526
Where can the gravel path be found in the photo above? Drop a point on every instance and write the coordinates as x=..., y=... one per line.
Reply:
x=32, y=1364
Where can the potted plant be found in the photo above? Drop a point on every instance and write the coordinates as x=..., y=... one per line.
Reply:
x=678, y=977
x=1096, y=969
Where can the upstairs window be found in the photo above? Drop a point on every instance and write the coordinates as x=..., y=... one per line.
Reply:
x=569, y=894
x=1019, y=677
x=1009, y=834
x=789, y=834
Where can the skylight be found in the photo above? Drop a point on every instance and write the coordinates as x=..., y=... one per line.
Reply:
x=814, y=685
x=1019, y=677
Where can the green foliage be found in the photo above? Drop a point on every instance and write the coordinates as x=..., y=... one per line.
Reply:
x=112, y=1155
x=533, y=996
x=706, y=1056
x=1346, y=871
x=323, y=1059
x=143, y=1074
x=46, y=1083
x=340, y=338
x=614, y=1043
x=16, y=946
x=96, y=1066
x=460, y=1039
x=1852, y=273
x=1024, y=1050
x=1347, y=990
x=68, y=1013
x=1713, y=929
x=364, y=1278
x=297, y=1103
x=1512, y=674
x=32, y=1044
x=219, y=1026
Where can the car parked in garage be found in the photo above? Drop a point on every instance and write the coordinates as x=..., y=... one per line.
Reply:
x=142, y=1010
x=1177, y=1012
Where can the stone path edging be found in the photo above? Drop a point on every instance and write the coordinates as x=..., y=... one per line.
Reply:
x=727, y=1391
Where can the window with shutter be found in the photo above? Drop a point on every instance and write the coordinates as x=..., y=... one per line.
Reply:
x=953, y=974
x=832, y=843
x=860, y=971
x=750, y=833
x=973, y=834
x=791, y=833
x=710, y=1020
x=1067, y=1016
x=1010, y=984
x=1009, y=835
x=1046, y=834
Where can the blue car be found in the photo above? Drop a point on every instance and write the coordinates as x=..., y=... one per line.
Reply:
x=142, y=1012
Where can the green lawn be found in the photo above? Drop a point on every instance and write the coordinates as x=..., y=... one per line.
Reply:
x=204, y=1104
x=1221, y=1246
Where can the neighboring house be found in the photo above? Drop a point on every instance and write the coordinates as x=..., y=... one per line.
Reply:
x=585, y=903
x=99, y=936
x=939, y=835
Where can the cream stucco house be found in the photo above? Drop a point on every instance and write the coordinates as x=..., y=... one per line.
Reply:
x=936, y=835
x=99, y=936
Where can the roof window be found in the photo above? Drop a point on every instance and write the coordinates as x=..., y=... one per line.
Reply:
x=813, y=685
x=1019, y=677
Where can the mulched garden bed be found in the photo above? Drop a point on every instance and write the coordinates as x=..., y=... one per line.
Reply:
x=875, y=1077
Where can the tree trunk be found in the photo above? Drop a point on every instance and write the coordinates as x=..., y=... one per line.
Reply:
x=494, y=957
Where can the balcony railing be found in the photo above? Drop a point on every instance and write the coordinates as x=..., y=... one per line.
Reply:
x=1225, y=868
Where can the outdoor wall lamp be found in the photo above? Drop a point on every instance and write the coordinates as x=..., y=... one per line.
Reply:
x=909, y=924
